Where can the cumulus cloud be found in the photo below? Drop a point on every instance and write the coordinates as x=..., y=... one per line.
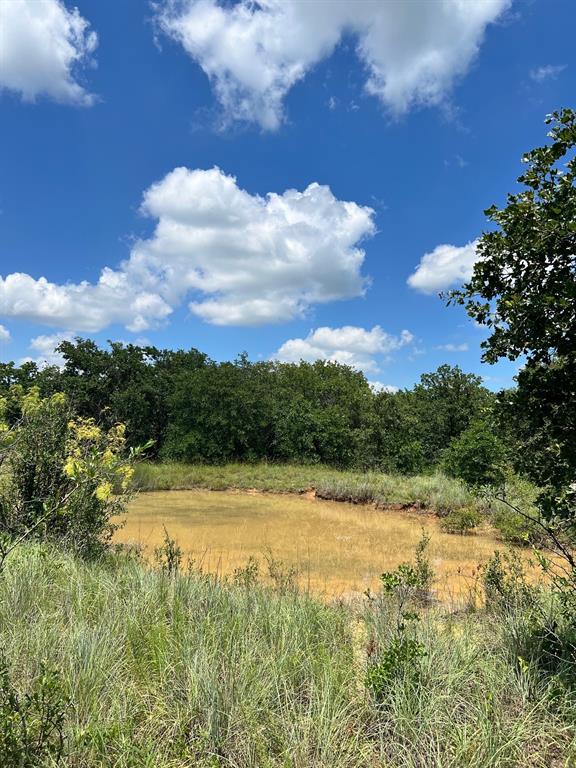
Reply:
x=42, y=45
x=349, y=345
x=547, y=72
x=4, y=334
x=240, y=259
x=253, y=53
x=44, y=349
x=445, y=266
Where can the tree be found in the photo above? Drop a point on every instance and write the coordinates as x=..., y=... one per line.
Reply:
x=445, y=403
x=477, y=456
x=523, y=288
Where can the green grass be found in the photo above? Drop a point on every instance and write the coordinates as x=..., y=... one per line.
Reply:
x=436, y=491
x=190, y=671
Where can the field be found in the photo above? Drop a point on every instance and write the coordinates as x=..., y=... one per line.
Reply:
x=173, y=670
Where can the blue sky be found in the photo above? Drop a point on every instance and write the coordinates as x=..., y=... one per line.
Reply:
x=407, y=120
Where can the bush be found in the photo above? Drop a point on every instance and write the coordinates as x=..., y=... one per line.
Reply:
x=65, y=478
x=477, y=456
x=518, y=527
x=461, y=521
x=32, y=725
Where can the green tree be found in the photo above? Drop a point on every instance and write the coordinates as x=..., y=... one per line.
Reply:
x=476, y=456
x=523, y=289
x=445, y=402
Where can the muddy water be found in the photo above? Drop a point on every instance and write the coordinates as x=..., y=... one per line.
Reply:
x=338, y=549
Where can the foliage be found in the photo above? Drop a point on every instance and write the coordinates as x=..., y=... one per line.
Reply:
x=402, y=655
x=447, y=402
x=504, y=581
x=523, y=289
x=32, y=724
x=515, y=528
x=198, y=410
x=64, y=477
x=168, y=556
x=461, y=521
x=407, y=585
x=540, y=623
x=476, y=456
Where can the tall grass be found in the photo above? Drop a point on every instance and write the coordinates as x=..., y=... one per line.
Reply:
x=436, y=491
x=168, y=672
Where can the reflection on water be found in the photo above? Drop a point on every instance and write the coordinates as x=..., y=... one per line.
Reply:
x=337, y=548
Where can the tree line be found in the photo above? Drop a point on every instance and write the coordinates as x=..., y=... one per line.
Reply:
x=199, y=410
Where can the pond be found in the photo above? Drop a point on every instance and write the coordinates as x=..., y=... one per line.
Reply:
x=337, y=549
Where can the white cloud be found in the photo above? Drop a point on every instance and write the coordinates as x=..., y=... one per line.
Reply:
x=42, y=44
x=349, y=345
x=445, y=266
x=44, y=348
x=378, y=386
x=254, y=53
x=241, y=258
x=547, y=72
x=454, y=347
x=4, y=334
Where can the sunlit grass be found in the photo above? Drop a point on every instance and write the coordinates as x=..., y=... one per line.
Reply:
x=191, y=671
x=337, y=549
x=435, y=491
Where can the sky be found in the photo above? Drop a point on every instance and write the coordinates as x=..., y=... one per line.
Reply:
x=297, y=180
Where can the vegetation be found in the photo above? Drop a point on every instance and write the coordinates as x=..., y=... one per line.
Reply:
x=167, y=670
x=524, y=290
x=65, y=476
x=106, y=662
x=199, y=411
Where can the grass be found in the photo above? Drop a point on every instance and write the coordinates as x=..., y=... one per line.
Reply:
x=436, y=491
x=167, y=672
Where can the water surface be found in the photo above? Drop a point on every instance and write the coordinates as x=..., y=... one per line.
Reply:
x=337, y=548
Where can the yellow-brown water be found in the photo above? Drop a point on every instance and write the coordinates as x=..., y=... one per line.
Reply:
x=337, y=548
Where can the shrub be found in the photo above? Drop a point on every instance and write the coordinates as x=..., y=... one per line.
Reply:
x=400, y=657
x=168, y=556
x=32, y=725
x=409, y=458
x=65, y=477
x=477, y=456
x=505, y=584
x=407, y=586
x=516, y=513
x=461, y=521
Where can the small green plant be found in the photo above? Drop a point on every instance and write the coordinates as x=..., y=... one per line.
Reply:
x=284, y=577
x=505, y=584
x=32, y=724
x=168, y=557
x=247, y=576
x=405, y=585
x=402, y=655
x=462, y=521
x=424, y=571
x=411, y=582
